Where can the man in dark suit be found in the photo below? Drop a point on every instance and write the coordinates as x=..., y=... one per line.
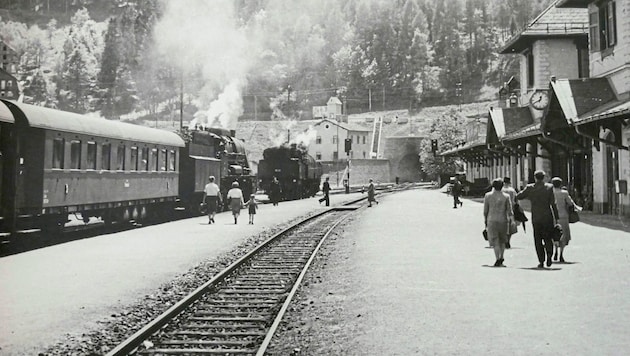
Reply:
x=326, y=190
x=544, y=215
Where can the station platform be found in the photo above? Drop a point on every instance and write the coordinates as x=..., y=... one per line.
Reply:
x=67, y=288
x=413, y=276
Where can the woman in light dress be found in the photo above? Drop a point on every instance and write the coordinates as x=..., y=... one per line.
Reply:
x=563, y=201
x=235, y=199
x=497, y=213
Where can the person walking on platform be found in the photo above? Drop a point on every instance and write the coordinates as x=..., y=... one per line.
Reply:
x=456, y=190
x=544, y=211
x=326, y=190
x=498, y=215
x=252, y=207
x=275, y=191
x=235, y=199
x=507, y=189
x=371, y=193
x=212, y=198
x=563, y=202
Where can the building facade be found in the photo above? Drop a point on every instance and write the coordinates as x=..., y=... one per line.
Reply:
x=575, y=124
x=329, y=145
x=8, y=86
x=8, y=58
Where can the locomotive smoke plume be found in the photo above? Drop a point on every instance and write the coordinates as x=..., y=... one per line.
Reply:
x=204, y=35
x=287, y=134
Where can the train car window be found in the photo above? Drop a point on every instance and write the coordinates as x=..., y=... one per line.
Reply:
x=133, y=165
x=75, y=154
x=154, y=160
x=120, y=158
x=58, y=153
x=106, y=156
x=143, y=160
x=91, y=155
x=163, y=160
x=171, y=160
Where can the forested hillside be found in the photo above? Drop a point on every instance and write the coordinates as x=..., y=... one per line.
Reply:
x=259, y=58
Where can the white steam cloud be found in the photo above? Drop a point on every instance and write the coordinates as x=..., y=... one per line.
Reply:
x=204, y=34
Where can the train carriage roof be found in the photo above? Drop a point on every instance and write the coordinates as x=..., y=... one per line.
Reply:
x=52, y=119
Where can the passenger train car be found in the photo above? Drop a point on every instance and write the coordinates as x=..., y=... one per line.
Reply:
x=298, y=172
x=54, y=163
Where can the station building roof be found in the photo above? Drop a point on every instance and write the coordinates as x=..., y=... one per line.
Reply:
x=51, y=119
x=553, y=22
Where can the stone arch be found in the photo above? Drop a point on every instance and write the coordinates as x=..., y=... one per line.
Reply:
x=409, y=168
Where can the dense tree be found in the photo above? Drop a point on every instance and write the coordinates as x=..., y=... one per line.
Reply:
x=410, y=52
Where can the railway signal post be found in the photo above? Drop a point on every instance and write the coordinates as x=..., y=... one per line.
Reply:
x=348, y=149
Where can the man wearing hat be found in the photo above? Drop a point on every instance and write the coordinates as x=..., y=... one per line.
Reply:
x=544, y=213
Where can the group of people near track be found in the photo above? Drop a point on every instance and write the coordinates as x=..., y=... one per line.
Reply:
x=551, y=205
x=212, y=199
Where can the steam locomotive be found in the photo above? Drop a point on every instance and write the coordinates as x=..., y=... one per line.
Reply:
x=298, y=172
x=55, y=163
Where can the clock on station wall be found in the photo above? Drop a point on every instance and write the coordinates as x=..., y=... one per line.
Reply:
x=539, y=100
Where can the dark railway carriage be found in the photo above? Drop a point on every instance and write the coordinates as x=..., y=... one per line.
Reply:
x=298, y=173
x=55, y=163
x=216, y=152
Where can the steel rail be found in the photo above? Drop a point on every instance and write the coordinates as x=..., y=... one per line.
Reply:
x=135, y=340
x=296, y=286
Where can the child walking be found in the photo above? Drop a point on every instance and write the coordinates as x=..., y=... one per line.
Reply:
x=252, y=206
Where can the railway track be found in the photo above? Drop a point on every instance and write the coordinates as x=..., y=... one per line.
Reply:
x=239, y=309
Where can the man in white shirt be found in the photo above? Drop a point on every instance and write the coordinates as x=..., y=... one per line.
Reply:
x=212, y=197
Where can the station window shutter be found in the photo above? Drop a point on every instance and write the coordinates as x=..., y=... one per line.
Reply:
x=593, y=26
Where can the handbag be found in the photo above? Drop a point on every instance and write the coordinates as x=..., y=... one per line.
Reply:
x=203, y=208
x=519, y=214
x=512, y=228
x=485, y=234
x=556, y=233
x=573, y=214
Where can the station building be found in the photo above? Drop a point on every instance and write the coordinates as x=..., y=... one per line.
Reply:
x=569, y=112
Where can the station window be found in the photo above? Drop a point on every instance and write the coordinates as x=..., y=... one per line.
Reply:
x=334, y=139
x=154, y=160
x=106, y=157
x=133, y=164
x=3, y=84
x=318, y=140
x=171, y=160
x=318, y=156
x=120, y=158
x=10, y=94
x=91, y=155
x=335, y=155
x=143, y=159
x=364, y=140
x=163, y=160
x=58, y=153
x=9, y=83
x=75, y=154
